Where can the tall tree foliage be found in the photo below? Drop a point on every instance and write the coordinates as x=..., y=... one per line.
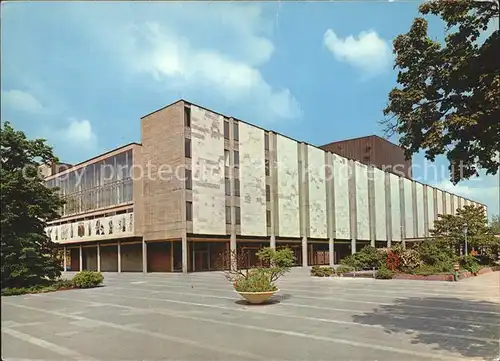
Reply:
x=449, y=230
x=28, y=257
x=448, y=96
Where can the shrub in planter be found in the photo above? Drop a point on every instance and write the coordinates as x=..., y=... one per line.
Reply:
x=319, y=271
x=87, y=279
x=384, y=273
x=258, y=280
x=341, y=269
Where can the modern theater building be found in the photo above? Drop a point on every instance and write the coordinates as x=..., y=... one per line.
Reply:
x=200, y=183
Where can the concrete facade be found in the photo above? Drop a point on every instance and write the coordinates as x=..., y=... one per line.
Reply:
x=215, y=183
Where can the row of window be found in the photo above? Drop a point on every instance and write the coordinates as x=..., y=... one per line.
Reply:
x=237, y=214
x=100, y=197
x=107, y=171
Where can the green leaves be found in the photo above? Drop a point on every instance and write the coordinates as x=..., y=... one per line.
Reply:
x=27, y=255
x=448, y=97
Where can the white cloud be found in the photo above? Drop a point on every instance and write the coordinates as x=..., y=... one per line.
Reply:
x=202, y=51
x=21, y=101
x=79, y=134
x=367, y=52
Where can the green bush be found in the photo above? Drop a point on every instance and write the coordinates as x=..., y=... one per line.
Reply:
x=257, y=280
x=384, y=273
x=319, y=271
x=437, y=253
x=367, y=258
x=13, y=291
x=87, y=279
x=343, y=269
x=495, y=268
x=469, y=263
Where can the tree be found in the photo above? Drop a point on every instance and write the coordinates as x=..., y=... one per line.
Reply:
x=448, y=96
x=28, y=257
x=449, y=230
x=495, y=224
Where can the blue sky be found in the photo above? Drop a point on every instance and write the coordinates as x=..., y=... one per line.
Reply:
x=82, y=74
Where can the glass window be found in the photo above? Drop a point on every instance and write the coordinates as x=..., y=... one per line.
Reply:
x=268, y=218
x=189, y=211
x=237, y=215
x=187, y=116
x=266, y=163
x=187, y=147
x=266, y=141
x=189, y=183
x=236, y=134
x=228, y=186
x=226, y=129
x=228, y=215
x=268, y=193
x=237, y=187
x=227, y=161
x=236, y=158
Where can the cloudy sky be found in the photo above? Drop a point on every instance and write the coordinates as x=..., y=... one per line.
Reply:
x=82, y=74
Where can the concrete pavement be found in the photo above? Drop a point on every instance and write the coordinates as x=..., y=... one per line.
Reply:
x=199, y=317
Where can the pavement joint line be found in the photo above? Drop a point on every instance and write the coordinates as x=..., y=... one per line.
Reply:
x=63, y=351
x=268, y=313
x=358, y=301
x=393, y=294
x=301, y=305
x=144, y=332
x=396, y=291
x=338, y=280
x=284, y=332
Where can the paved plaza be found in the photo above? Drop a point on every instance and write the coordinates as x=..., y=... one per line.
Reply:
x=199, y=317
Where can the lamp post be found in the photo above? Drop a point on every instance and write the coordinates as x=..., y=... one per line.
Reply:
x=464, y=229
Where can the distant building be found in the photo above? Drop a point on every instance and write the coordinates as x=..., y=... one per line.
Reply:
x=373, y=150
x=201, y=183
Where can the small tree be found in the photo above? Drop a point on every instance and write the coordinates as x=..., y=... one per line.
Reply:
x=28, y=257
x=449, y=231
x=259, y=279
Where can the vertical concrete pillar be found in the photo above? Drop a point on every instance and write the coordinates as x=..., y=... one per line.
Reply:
x=303, y=198
x=304, y=252
x=185, y=254
x=98, y=257
x=388, y=209
x=64, y=259
x=119, y=254
x=81, y=258
x=352, y=204
x=272, y=242
x=144, y=257
x=233, y=247
x=426, y=211
x=330, y=207
x=331, y=252
x=414, y=200
x=371, y=205
x=273, y=185
x=402, y=209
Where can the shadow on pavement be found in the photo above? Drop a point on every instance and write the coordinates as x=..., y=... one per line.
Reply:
x=476, y=319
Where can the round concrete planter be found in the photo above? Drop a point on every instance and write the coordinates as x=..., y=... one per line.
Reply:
x=257, y=297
